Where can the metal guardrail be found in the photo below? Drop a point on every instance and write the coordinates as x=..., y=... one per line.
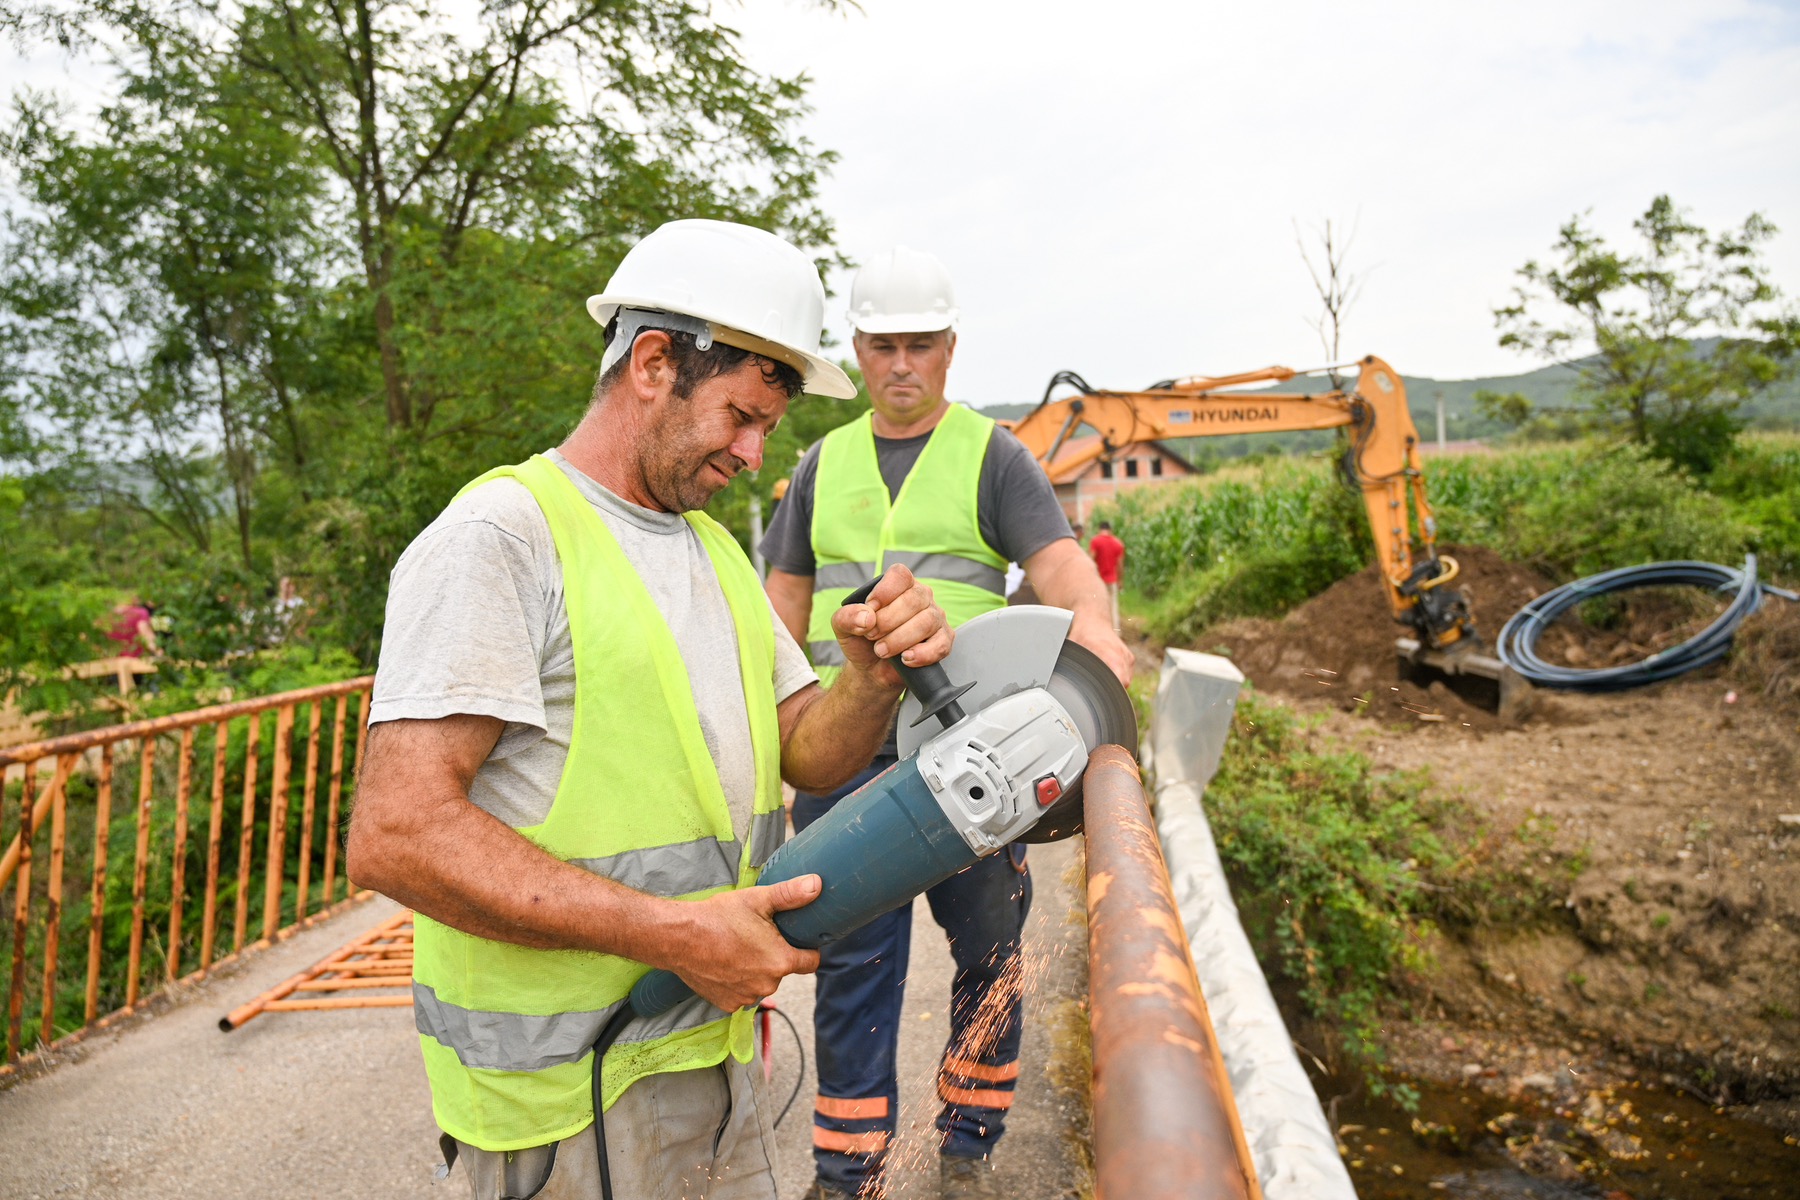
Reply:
x=1165, y=1123
x=161, y=881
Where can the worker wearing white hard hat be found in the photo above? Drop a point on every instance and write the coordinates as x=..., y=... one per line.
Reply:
x=902, y=291
x=580, y=725
x=924, y=481
x=747, y=287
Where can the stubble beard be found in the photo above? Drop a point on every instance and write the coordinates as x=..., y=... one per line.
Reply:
x=680, y=482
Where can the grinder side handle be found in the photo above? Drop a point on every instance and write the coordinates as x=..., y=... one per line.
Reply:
x=659, y=991
x=937, y=695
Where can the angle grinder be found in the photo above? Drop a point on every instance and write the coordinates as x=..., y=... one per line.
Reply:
x=993, y=743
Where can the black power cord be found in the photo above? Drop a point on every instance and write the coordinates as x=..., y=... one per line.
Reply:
x=798, y=1045
x=609, y=1033
x=1517, y=646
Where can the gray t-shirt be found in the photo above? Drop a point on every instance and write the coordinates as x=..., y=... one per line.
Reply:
x=1015, y=505
x=476, y=624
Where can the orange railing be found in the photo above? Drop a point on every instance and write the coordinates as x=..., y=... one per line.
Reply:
x=180, y=832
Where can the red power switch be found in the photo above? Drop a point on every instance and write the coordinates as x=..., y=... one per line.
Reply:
x=1047, y=791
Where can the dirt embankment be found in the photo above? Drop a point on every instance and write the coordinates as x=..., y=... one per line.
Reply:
x=1667, y=819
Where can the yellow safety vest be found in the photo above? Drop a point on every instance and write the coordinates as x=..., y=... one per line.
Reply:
x=931, y=527
x=507, y=1030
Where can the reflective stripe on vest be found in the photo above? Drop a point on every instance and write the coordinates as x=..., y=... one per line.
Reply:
x=932, y=527
x=508, y=1041
x=699, y=865
x=505, y=1029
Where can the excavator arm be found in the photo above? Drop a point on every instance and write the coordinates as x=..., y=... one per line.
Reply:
x=1381, y=461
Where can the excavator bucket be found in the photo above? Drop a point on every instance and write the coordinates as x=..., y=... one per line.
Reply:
x=1477, y=677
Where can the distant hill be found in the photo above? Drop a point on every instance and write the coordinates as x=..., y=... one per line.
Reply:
x=1547, y=387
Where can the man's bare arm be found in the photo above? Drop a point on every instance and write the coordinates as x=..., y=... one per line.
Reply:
x=829, y=734
x=792, y=598
x=1064, y=577
x=414, y=836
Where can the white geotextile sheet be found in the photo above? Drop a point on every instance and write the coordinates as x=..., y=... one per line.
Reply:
x=1294, y=1147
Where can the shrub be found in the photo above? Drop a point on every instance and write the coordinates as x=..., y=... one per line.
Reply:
x=1760, y=479
x=1343, y=872
x=1618, y=507
x=1257, y=540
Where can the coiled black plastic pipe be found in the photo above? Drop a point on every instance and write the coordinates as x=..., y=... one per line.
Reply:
x=1517, y=646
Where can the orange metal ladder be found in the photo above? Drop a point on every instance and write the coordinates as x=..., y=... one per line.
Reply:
x=352, y=976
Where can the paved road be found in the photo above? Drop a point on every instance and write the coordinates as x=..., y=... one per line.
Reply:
x=304, y=1105
x=1037, y=1154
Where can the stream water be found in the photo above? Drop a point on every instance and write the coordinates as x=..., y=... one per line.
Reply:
x=1623, y=1143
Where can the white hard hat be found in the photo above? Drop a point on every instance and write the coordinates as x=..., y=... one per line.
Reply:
x=752, y=289
x=902, y=291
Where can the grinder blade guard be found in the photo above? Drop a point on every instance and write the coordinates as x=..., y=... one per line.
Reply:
x=1013, y=650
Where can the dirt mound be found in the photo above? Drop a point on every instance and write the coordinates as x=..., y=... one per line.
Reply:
x=1339, y=646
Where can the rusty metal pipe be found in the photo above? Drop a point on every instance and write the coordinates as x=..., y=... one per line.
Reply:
x=246, y=833
x=140, y=880
x=215, y=827
x=97, y=899
x=1165, y=1122
x=309, y=797
x=356, y=981
x=335, y=800
x=15, y=999
x=184, y=781
x=40, y=811
x=275, y=862
x=59, y=833
x=405, y=1001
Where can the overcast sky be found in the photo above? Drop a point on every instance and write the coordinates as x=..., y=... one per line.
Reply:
x=1114, y=186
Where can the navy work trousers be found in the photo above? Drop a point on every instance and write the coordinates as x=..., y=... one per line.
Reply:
x=856, y=1013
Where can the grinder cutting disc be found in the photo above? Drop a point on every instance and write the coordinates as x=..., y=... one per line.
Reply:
x=1092, y=695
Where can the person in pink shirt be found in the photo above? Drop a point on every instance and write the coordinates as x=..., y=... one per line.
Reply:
x=1109, y=556
x=132, y=629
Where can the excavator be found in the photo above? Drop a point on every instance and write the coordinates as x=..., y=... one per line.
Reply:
x=1380, y=460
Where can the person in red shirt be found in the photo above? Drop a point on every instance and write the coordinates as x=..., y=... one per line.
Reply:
x=132, y=629
x=1109, y=556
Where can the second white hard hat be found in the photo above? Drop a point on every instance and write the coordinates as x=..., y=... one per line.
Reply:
x=902, y=291
x=752, y=289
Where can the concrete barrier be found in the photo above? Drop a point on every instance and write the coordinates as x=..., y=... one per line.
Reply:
x=1292, y=1145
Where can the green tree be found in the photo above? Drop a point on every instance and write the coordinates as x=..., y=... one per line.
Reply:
x=156, y=285
x=369, y=287
x=1628, y=322
x=432, y=127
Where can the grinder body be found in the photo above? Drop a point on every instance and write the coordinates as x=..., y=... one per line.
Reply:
x=967, y=792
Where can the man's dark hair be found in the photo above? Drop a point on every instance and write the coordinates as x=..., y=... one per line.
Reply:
x=1106, y=527
x=694, y=366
